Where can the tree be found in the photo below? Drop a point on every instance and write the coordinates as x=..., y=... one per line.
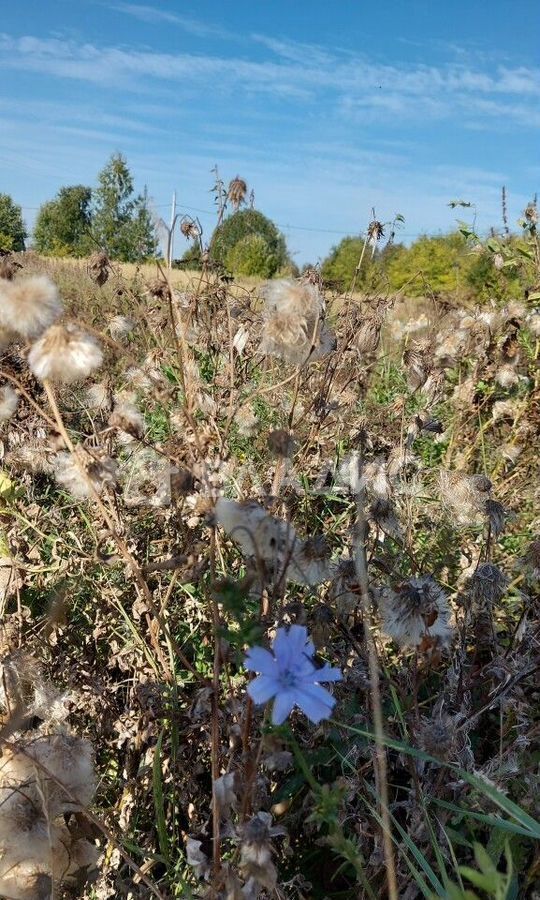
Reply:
x=122, y=223
x=63, y=224
x=251, y=255
x=340, y=264
x=430, y=263
x=244, y=224
x=12, y=229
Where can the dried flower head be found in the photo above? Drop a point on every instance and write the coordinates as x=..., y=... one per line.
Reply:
x=274, y=543
x=374, y=479
x=292, y=319
x=488, y=585
x=39, y=788
x=189, y=229
x=8, y=266
x=281, y=443
x=99, y=268
x=237, y=191
x=369, y=334
x=65, y=354
x=256, y=854
x=375, y=231
x=99, y=397
x=383, y=514
x=506, y=376
x=417, y=362
x=83, y=476
x=246, y=420
x=129, y=421
x=531, y=213
x=120, y=327
x=533, y=321
x=464, y=496
x=505, y=410
x=496, y=515
x=416, y=610
x=9, y=400
x=29, y=305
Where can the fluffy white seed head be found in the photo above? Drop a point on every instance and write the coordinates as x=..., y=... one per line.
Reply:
x=506, y=376
x=417, y=610
x=533, y=321
x=128, y=420
x=275, y=543
x=292, y=320
x=65, y=354
x=29, y=305
x=120, y=327
x=9, y=400
x=84, y=477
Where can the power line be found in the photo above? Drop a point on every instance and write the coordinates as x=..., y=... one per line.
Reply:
x=285, y=227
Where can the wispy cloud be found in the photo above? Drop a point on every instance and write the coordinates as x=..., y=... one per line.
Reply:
x=153, y=15
x=297, y=71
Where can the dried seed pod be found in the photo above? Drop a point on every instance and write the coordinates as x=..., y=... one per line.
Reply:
x=99, y=268
x=237, y=191
x=488, y=585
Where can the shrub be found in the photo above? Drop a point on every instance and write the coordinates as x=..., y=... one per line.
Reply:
x=242, y=224
x=251, y=255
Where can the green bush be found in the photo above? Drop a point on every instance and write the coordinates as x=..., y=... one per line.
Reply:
x=251, y=255
x=245, y=223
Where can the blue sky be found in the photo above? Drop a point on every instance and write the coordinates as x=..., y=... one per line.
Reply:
x=327, y=110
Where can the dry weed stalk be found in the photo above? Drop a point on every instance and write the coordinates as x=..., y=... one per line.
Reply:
x=292, y=477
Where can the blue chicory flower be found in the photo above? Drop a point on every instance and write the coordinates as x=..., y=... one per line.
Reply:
x=289, y=675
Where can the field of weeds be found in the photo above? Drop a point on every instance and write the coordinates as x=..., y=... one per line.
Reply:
x=269, y=590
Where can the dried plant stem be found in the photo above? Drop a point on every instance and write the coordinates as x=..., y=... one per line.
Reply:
x=123, y=548
x=380, y=751
x=27, y=397
x=215, y=741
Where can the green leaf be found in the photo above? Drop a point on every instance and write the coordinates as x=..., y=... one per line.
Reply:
x=157, y=786
x=484, y=861
x=487, y=883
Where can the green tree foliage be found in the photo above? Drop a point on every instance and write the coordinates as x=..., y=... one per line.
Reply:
x=244, y=224
x=121, y=222
x=340, y=265
x=430, y=263
x=190, y=259
x=63, y=224
x=12, y=229
x=251, y=255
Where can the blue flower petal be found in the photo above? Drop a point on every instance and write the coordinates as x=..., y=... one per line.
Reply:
x=327, y=673
x=315, y=701
x=283, y=705
x=260, y=660
x=289, y=645
x=262, y=688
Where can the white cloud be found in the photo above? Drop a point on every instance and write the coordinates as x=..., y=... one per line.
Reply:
x=154, y=16
x=301, y=72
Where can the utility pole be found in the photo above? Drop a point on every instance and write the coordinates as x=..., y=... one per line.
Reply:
x=170, y=242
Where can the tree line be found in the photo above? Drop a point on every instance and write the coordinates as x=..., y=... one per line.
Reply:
x=81, y=220
x=245, y=242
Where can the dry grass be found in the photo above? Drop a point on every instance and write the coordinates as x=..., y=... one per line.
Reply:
x=131, y=597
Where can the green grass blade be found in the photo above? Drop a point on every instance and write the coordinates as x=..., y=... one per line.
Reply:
x=157, y=787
